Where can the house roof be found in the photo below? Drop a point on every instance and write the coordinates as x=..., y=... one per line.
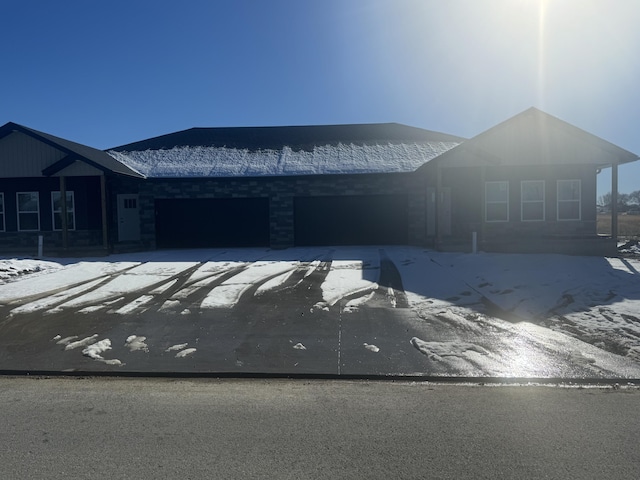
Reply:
x=300, y=137
x=534, y=137
x=73, y=151
x=283, y=151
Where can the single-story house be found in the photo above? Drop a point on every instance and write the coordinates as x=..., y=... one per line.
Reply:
x=527, y=184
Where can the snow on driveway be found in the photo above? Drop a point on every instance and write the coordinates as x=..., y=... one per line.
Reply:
x=500, y=313
x=229, y=292
x=60, y=277
x=347, y=273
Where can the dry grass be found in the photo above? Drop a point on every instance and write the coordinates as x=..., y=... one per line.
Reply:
x=628, y=225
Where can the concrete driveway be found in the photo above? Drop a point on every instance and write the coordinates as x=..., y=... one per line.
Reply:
x=327, y=311
x=239, y=311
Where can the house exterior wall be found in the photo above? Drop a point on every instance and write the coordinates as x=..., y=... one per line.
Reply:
x=88, y=226
x=468, y=205
x=281, y=192
x=23, y=156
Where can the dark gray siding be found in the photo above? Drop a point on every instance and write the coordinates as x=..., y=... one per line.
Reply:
x=280, y=193
x=468, y=209
x=88, y=212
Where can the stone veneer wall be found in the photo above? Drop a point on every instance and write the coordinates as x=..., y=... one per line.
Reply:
x=281, y=192
x=28, y=241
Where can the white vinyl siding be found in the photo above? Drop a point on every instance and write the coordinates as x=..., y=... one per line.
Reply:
x=569, y=204
x=56, y=207
x=496, y=201
x=532, y=200
x=28, y=204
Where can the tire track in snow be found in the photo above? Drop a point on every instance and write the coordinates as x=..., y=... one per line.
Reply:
x=263, y=327
x=194, y=298
x=22, y=302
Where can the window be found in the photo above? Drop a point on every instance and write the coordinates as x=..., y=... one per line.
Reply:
x=2, y=225
x=56, y=206
x=28, y=211
x=532, y=200
x=130, y=203
x=568, y=199
x=497, y=201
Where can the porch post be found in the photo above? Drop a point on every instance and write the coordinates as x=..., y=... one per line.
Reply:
x=63, y=212
x=614, y=201
x=103, y=201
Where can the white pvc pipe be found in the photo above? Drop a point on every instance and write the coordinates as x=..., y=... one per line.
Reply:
x=40, y=245
x=474, y=242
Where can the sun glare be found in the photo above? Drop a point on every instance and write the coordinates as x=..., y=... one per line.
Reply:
x=542, y=7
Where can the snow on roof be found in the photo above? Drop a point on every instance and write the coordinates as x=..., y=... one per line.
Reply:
x=203, y=161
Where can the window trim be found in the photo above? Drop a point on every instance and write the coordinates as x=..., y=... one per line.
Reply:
x=578, y=201
x=37, y=212
x=3, y=224
x=487, y=202
x=54, y=211
x=523, y=201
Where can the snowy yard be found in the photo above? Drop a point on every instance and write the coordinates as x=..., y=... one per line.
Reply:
x=468, y=315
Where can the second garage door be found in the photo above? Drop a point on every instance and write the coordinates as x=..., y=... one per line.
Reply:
x=219, y=222
x=351, y=220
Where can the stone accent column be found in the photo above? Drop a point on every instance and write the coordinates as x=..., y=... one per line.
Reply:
x=281, y=221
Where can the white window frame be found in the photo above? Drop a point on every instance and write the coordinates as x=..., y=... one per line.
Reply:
x=71, y=210
x=3, y=225
x=37, y=212
x=488, y=202
x=523, y=201
x=578, y=200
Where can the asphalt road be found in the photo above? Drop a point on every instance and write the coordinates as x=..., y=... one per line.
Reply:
x=68, y=428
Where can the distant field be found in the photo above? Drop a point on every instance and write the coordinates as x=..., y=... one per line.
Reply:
x=628, y=225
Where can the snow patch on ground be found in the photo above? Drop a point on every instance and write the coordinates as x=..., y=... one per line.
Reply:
x=185, y=352
x=438, y=350
x=81, y=343
x=320, y=306
x=16, y=268
x=346, y=277
x=134, y=305
x=60, y=278
x=96, y=350
x=135, y=343
x=353, y=304
x=229, y=292
x=274, y=283
x=179, y=346
x=631, y=247
x=65, y=340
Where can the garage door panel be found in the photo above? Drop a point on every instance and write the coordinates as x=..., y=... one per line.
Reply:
x=227, y=222
x=351, y=220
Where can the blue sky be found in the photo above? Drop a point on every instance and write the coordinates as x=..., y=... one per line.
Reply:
x=109, y=73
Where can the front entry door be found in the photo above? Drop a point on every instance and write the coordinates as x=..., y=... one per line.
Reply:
x=128, y=218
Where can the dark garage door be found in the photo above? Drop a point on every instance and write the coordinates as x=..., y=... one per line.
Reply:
x=351, y=220
x=219, y=222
